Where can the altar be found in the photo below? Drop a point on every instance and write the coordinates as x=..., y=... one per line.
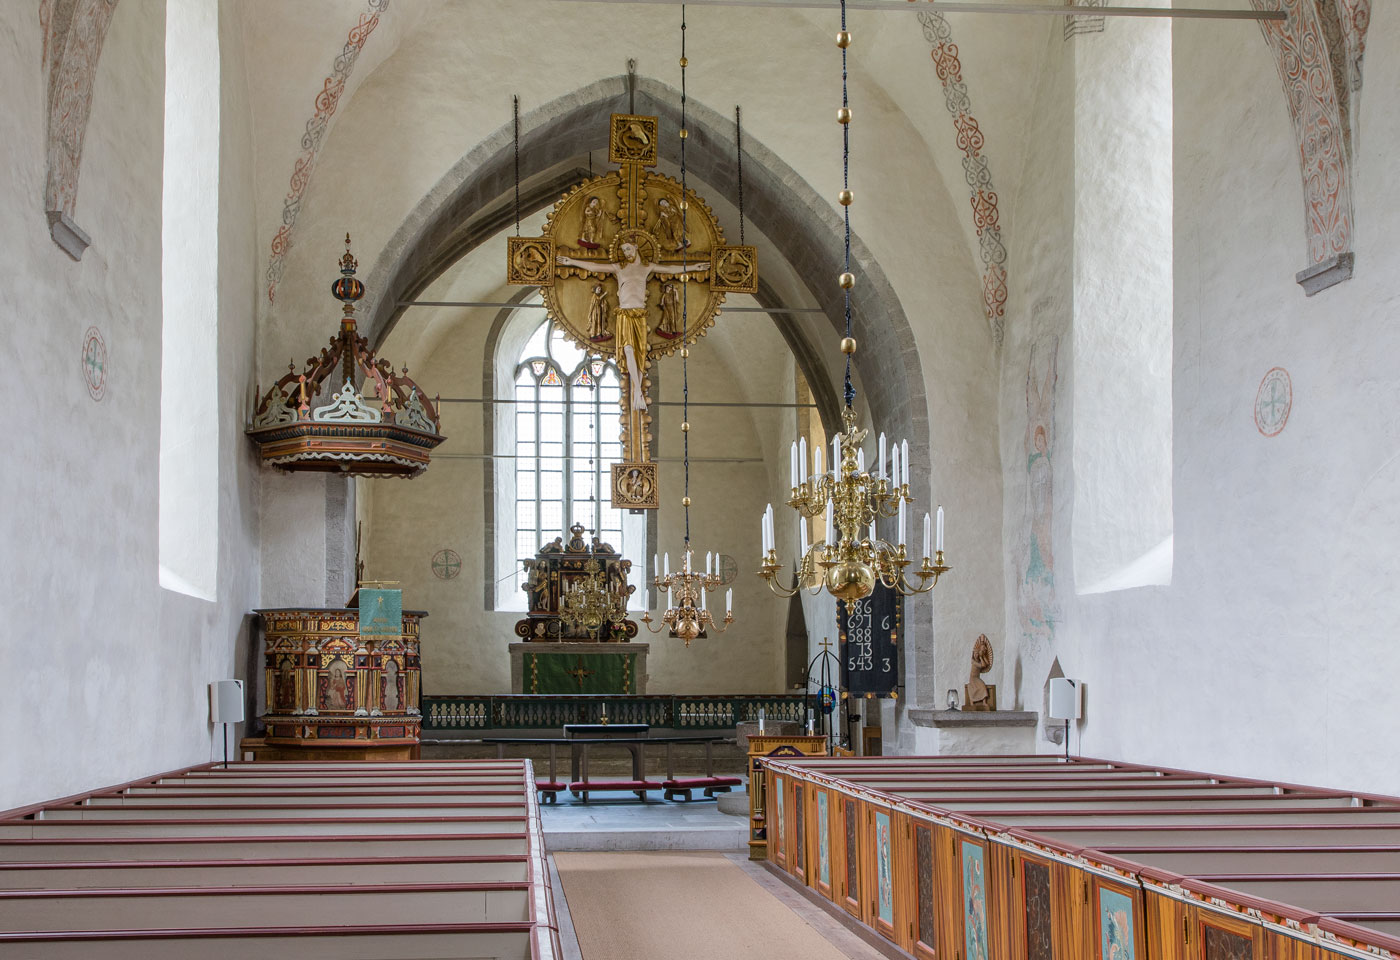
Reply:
x=576, y=638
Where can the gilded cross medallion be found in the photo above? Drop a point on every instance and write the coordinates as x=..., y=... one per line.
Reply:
x=633, y=267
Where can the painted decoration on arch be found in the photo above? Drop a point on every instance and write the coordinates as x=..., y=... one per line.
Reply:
x=976, y=171
x=447, y=564
x=95, y=363
x=1035, y=594
x=314, y=134
x=823, y=840
x=1116, y=939
x=1274, y=402
x=974, y=903
x=884, y=868
x=73, y=35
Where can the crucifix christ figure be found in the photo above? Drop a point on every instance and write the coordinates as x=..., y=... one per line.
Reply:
x=630, y=321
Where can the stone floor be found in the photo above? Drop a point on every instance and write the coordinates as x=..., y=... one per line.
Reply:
x=621, y=822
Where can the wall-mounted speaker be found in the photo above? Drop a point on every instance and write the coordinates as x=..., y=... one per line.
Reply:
x=226, y=701
x=1066, y=699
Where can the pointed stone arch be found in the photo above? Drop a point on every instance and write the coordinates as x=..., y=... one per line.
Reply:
x=474, y=200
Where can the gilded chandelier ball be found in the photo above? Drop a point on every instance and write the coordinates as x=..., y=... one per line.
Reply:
x=843, y=39
x=685, y=62
x=685, y=501
x=687, y=630
x=684, y=133
x=685, y=352
x=685, y=426
x=845, y=197
x=847, y=281
x=848, y=345
x=843, y=115
x=850, y=580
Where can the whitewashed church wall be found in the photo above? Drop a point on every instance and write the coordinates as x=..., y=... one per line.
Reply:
x=110, y=670
x=1272, y=651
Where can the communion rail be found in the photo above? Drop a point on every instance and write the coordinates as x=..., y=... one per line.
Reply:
x=550, y=711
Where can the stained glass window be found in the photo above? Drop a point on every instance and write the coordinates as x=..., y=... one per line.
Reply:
x=566, y=440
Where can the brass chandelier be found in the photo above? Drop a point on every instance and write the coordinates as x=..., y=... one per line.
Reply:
x=687, y=590
x=851, y=558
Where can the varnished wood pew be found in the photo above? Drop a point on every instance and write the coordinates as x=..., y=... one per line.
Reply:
x=380, y=868
x=994, y=857
x=304, y=871
x=252, y=847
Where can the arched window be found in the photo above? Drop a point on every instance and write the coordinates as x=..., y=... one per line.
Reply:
x=565, y=442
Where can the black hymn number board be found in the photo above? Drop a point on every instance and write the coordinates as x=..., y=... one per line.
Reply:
x=869, y=629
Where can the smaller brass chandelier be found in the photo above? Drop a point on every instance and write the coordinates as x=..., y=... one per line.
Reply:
x=688, y=614
x=687, y=590
x=589, y=601
x=851, y=559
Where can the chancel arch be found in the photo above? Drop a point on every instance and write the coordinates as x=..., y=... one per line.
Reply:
x=796, y=226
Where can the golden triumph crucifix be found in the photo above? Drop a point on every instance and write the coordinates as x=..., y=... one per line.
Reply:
x=610, y=267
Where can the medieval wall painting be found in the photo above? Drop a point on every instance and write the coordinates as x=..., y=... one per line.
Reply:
x=974, y=903
x=924, y=851
x=1224, y=945
x=1037, y=895
x=884, y=871
x=1116, y=940
x=1035, y=589
x=823, y=840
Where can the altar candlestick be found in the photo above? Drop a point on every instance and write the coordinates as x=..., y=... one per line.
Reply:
x=880, y=463
x=940, y=528
x=927, y=534
x=761, y=719
x=802, y=460
x=811, y=722
x=904, y=460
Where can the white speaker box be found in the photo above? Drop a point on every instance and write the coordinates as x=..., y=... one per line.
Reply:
x=1066, y=702
x=226, y=701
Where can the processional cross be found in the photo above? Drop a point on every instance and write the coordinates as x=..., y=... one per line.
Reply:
x=615, y=250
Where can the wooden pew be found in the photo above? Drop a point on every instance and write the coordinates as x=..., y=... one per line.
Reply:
x=427, y=860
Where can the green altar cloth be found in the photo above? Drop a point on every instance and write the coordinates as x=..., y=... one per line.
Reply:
x=578, y=673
